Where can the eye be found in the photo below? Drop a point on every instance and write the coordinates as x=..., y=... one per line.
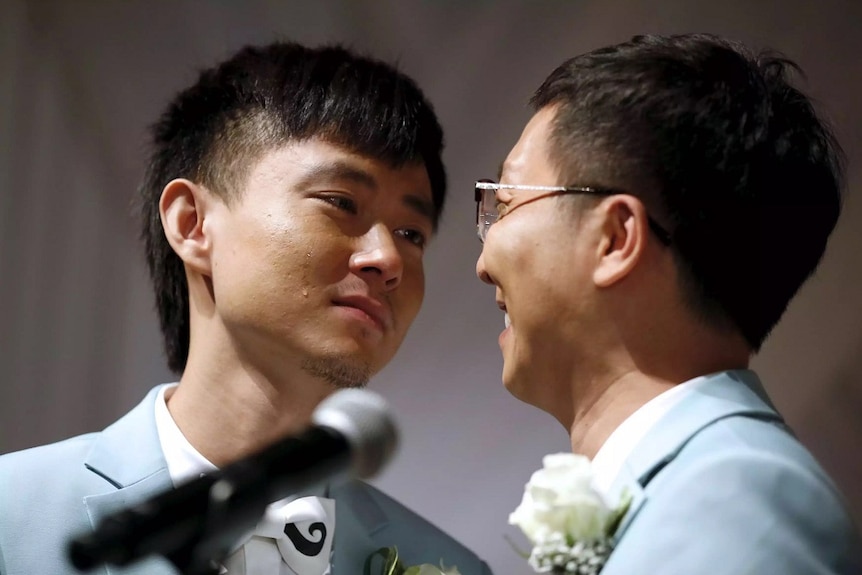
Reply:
x=415, y=237
x=343, y=203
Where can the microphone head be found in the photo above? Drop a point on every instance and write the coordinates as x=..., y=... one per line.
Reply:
x=365, y=421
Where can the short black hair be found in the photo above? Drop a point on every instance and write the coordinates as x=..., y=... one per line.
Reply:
x=262, y=98
x=733, y=159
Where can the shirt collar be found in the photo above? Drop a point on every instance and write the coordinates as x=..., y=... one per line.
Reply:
x=619, y=445
x=184, y=461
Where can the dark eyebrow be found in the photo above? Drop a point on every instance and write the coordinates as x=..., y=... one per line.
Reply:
x=422, y=207
x=336, y=170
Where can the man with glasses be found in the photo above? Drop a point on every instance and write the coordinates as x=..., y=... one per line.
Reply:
x=660, y=210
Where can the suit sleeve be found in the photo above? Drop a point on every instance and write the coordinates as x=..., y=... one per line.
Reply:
x=735, y=512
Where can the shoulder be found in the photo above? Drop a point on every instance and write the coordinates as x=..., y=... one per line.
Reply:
x=393, y=524
x=45, y=462
x=42, y=477
x=73, y=452
x=758, y=500
x=41, y=492
x=763, y=452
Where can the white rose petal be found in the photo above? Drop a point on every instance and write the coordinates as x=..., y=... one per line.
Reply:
x=560, y=503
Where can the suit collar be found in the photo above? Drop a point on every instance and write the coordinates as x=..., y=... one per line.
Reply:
x=129, y=450
x=129, y=456
x=712, y=397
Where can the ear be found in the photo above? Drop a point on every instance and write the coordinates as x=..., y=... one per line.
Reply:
x=182, y=208
x=624, y=230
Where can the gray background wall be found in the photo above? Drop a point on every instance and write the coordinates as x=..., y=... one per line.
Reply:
x=80, y=81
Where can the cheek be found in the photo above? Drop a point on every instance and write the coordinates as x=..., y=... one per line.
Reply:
x=265, y=263
x=411, y=292
x=306, y=259
x=536, y=289
x=513, y=243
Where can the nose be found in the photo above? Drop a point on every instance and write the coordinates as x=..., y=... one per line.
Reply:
x=481, y=272
x=377, y=258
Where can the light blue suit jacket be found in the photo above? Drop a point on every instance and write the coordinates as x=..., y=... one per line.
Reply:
x=53, y=492
x=721, y=486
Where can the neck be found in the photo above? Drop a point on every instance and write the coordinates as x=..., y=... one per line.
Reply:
x=636, y=375
x=228, y=410
x=644, y=339
x=233, y=401
x=596, y=418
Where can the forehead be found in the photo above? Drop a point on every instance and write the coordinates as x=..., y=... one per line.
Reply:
x=318, y=159
x=310, y=163
x=529, y=161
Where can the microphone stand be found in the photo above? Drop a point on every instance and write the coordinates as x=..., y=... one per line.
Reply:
x=233, y=510
x=195, y=525
x=234, y=500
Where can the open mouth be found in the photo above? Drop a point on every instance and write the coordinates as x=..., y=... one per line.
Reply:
x=502, y=305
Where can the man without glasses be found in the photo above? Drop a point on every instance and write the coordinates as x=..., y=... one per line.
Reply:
x=286, y=208
x=659, y=212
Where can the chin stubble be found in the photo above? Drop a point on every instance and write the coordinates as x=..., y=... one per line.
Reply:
x=341, y=372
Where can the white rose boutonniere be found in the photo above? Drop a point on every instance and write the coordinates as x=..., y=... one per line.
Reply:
x=568, y=522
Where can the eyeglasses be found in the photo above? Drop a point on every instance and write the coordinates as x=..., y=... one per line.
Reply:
x=488, y=209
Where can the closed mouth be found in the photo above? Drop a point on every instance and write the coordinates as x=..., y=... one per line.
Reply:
x=373, y=308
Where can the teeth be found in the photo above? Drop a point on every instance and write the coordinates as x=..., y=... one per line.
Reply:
x=506, y=320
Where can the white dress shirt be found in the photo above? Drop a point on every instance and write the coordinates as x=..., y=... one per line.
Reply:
x=619, y=445
x=260, y=554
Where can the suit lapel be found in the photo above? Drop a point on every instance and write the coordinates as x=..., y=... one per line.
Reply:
x=129, y=456
x=357, y=519
x=99, y=506
x=625, y=486
x=711, y=398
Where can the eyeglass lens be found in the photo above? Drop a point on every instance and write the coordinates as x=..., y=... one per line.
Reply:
x=487, y=213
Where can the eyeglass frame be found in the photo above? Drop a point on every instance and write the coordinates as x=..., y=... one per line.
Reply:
x=482, y=186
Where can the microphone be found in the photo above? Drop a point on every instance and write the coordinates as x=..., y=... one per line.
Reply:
x=352, y=434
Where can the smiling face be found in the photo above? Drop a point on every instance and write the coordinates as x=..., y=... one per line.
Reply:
x=539, y=261
x=318, y=264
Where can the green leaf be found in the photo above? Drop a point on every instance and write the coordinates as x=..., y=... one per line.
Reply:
x=424, y=569
x=617, y=516
x=391, y=564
